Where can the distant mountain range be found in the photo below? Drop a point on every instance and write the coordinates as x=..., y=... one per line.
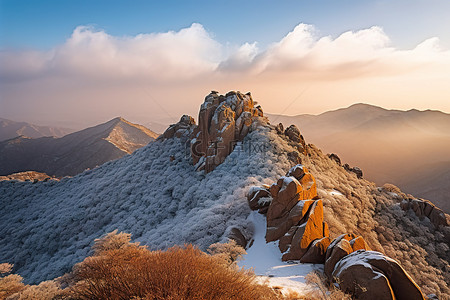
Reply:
x=410, y=149
x=11, y=129
x=75, y=152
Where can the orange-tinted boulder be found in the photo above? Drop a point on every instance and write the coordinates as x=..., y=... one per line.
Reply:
x=359, y=243
x=309, y=230
x=315, y=254
x=335, y=252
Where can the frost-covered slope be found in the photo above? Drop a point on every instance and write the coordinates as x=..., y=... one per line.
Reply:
x=47, y=227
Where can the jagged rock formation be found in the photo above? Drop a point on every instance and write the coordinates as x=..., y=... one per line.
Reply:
x=222, y=122
x=294, y=216
x=183, y=128
x=75, y=152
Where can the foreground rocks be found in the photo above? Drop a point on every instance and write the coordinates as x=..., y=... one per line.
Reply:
x=371, y=275
x=294, y=216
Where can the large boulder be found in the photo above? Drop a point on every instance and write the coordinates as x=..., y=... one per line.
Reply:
x=337, y=250
x=310, y=229
x=341, y=247
x=371, y=275
x=223, y=121
x=259, y=198
x=315, y=254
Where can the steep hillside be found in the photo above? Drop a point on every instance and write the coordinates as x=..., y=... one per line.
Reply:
x=399, y=147
x=73, y=153
x=11, y=129
x=159, y=196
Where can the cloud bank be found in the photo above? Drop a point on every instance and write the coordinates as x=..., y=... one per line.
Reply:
x=158, y=76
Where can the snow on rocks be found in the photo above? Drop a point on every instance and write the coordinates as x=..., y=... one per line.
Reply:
x=223, y=121
x=371, y=275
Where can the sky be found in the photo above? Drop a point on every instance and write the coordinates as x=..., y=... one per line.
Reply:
x=79, y=63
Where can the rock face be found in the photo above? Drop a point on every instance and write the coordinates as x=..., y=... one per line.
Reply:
x=294, y=215
x=222, y=122
x=371, y=275
x=424, y=208
x=183, y=128
x=315, y=254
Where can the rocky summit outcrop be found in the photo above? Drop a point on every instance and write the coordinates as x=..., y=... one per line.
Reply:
x=371, y=275
x=424, y=208
x=223, y=121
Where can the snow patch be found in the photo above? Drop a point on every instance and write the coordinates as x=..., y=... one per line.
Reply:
x=265, y=260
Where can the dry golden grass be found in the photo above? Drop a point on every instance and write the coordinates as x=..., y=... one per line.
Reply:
x=178, y=273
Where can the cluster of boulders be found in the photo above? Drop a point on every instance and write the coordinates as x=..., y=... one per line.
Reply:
x=223, y=121
x=424, y=208
x=356, y=170
x=294, y=138
x=184, y=127
x=294, y=216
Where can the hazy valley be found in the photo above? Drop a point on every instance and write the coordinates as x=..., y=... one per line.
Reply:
x=410, y=149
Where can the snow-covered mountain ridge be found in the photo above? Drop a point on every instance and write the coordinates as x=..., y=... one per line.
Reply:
x=157, y=195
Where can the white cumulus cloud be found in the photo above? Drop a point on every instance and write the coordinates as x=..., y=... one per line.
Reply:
x=94, y=70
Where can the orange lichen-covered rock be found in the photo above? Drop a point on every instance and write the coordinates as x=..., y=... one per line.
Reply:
x=335, y=252
x=277, y=228
x=315, y=254
x=359, y=243
x=308, y=231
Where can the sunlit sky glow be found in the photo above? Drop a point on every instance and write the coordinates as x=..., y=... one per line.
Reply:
x=78, y=63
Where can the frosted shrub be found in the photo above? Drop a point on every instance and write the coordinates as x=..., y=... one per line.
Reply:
x=46, y=290
x=10, y=284
x=229, y=252
x=112, y=241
